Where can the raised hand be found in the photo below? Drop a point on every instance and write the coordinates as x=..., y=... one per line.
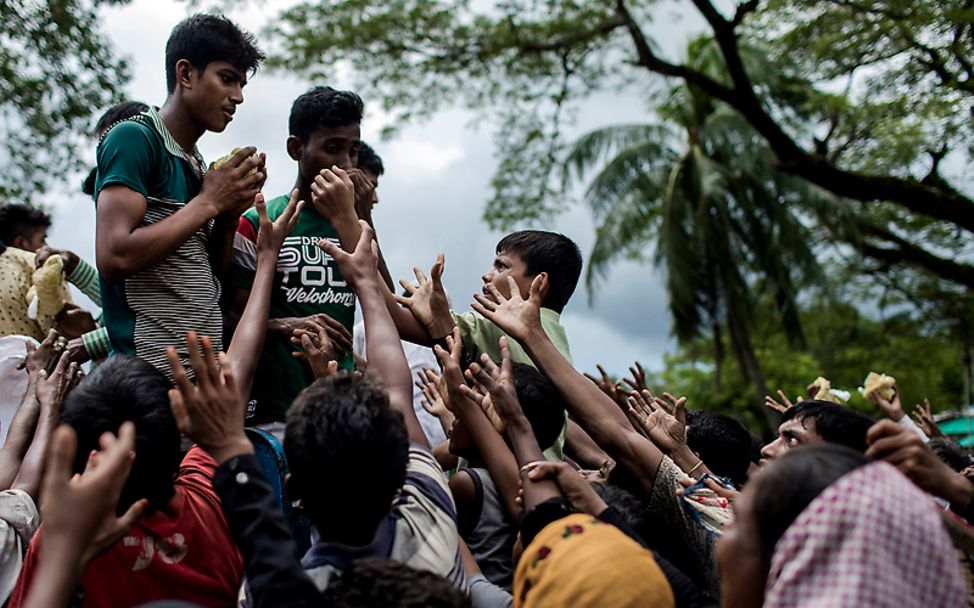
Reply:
x=53, y=387
x=924, y=419
x=498, y=383
x=69, y=258
x=607, y=386
x=333, y=194
x=427, y=299
x=892, y=409
x=665, y=429
x=452, y=377
x=429, y=383
x=516, y=316
x=905, y=450
x=212, y=412
x=364, y=193
x=638, y=381
x=73, y=321
x=319, y=350
x=79, y=511
x=45, y=356
x=271, y=235
x=360, y=267
x=782, y=407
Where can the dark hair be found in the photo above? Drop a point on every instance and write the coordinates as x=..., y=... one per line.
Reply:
x=790, y=483
x=202, y=39
x=112, y=115
x=955, y=456
x=323, y=107
x=341, y=435
x=632, y=510
x=721, y=442
x=118, y=112
x=541, y=403
x=127, y=388
x=833, y=423
x=18, y=219
x=386, y=583
x=548, y=252
x=369, y=161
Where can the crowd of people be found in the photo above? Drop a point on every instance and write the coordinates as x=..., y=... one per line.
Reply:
x=237, y=441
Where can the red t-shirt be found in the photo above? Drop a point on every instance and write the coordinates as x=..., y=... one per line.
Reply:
x=183, y=552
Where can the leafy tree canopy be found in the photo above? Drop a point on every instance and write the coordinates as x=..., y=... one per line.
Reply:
x=56, y=69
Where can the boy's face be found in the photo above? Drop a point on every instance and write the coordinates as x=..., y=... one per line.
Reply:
x=326, y=147
x=215, y=94
x=32, y=241
x=508, y=264
x=372, y=177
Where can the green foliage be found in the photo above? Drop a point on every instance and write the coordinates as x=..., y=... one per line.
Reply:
x=843, y=345
x=903, y=68
x=56, y=69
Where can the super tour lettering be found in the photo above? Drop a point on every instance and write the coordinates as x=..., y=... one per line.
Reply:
x=311, y=275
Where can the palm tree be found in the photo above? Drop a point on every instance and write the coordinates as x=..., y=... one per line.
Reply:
x=727, y=227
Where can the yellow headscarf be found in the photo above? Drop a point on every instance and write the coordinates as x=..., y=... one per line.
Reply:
x=579, y=561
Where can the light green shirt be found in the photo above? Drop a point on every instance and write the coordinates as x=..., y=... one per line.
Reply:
x=480, y=335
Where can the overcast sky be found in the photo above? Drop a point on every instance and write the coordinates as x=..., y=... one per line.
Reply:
x=432, y=194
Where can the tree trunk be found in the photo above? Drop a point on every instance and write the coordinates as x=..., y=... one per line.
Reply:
x=750, y=366
x=718, y=357
x=968, y=374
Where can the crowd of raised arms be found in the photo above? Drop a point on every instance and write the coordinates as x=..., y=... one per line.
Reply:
x=238, y=442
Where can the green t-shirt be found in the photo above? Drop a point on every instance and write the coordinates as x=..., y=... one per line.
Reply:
x=155, y=307
x=307, y=282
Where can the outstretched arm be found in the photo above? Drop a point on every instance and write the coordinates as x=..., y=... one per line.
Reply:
x=383, y=348
x=498, y=382
x=499, y=458
x=589, y=406
x=248, y=338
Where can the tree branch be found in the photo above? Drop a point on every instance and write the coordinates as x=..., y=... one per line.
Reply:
x=906, y=252
x=923, y=199
x=649, y=60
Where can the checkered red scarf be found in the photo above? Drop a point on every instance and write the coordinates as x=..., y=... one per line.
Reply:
x=871, y=538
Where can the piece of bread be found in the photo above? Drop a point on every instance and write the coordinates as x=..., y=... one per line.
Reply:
x=223, y=160
x=47, y=295
x=824, y=387
x=879, y=385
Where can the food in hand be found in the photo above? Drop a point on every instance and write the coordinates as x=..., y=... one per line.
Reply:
x=223, y=159
x=879, y=385
x=47, y=295
x=823, y=386
x=825, y=392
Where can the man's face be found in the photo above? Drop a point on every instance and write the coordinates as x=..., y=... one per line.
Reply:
x=791, y=433
x=32, y=241
x=215, y=94
x=326, y=147
x=507, y=264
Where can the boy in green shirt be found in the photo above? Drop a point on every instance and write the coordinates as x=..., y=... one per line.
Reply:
x=165, y=224
x=309, y=296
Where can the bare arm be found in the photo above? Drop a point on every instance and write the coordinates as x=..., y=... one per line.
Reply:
x=592, y=409
x=123, y=246
x=500, y=461
x=248, y=338
x=51, y=390
x=498, y=382
x=19, y=436
x=383, y=348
